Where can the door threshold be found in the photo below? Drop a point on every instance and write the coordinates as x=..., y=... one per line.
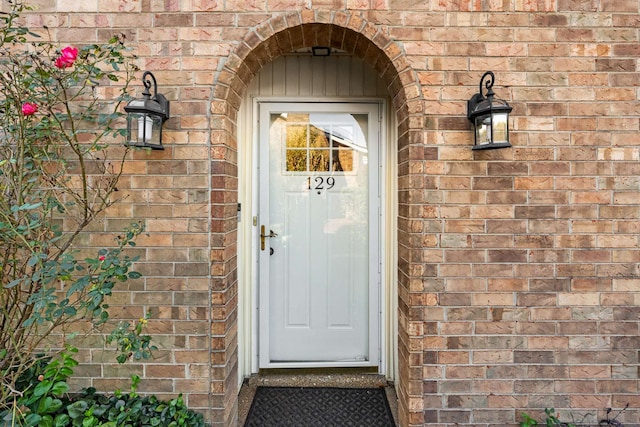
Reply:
x=319, y=371
x=320, y=377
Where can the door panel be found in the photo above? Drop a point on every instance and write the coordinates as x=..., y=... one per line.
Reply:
x=318, y=270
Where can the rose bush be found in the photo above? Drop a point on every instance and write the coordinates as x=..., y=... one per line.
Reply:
x=61, y=155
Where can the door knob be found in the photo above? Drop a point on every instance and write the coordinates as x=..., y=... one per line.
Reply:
x=264, y=236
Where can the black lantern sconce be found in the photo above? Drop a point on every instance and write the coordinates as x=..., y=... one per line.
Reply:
x=146, y=115
x=490, y=117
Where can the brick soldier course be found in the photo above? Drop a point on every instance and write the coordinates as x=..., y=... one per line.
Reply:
x=518, y=269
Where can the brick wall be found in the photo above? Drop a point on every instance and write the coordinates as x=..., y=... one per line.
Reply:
x=519, y=268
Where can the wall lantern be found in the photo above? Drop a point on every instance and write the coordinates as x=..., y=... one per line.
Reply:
x=490, y=117
x=146, y=115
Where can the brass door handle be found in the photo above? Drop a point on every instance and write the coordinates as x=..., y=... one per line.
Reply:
x=264, y=236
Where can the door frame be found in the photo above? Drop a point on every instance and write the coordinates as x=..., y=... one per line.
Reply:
x=249, y=239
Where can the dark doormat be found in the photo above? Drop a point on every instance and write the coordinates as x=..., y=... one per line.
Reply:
x=319, y=407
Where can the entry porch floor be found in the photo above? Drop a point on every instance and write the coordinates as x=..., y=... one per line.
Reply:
x=312, y=378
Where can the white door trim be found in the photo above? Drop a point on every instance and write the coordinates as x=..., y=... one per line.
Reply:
x=248, y=235
x=380, y=327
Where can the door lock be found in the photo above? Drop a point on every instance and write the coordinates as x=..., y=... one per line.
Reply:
x=264, y=236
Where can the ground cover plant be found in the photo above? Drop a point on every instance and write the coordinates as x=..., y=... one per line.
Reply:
x=553, y=419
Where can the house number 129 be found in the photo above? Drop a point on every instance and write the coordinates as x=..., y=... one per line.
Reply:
x=321, y=183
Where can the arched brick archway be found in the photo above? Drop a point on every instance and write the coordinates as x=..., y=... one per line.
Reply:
x=273, y=38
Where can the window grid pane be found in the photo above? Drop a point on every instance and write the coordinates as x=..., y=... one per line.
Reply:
x=318, y=147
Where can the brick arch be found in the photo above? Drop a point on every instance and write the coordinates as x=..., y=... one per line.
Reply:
x=342, y=30
x=273, y=38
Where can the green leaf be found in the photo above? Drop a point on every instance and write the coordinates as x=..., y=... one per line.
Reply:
x=42, y=388
x=49, y=405
x=77, y=409
x=65, y=371
x=29, y=206
x=59, y=388
x=33, y=260
x=70, y=311
x=61, y=420
x=32, y=419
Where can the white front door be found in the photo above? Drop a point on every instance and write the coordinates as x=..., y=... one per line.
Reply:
x=319, y=229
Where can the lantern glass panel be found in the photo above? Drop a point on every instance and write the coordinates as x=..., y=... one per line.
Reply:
x=483, y=130
x=500, y=127
x=144, y=129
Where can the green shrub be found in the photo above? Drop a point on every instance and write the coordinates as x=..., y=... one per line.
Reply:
x=45, y=402
x=129, y=410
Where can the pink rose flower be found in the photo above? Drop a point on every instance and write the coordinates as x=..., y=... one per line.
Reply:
x=29, y=108
x=101, y=258
x=67, y=57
